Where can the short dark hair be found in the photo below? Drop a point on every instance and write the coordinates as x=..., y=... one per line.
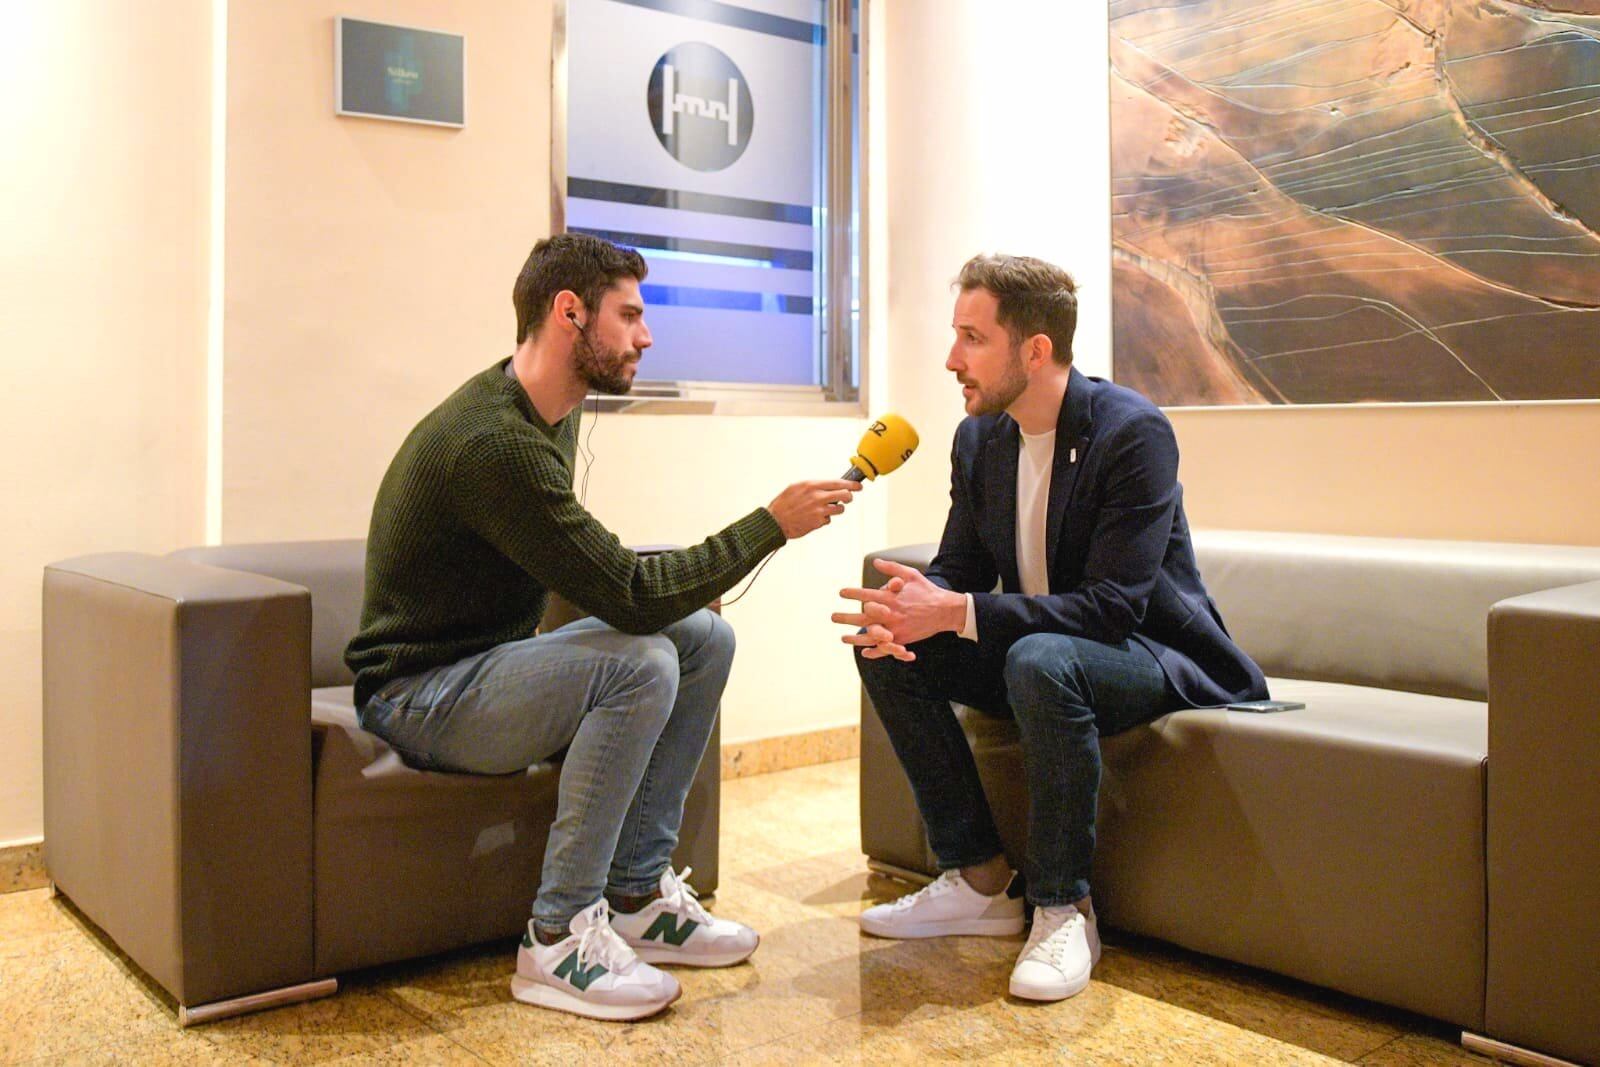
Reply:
x=587, y=265
x=1035, y=297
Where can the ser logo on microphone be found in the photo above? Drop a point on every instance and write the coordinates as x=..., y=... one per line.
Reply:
x=700, y=106
x=887, y=444
x=879, y=429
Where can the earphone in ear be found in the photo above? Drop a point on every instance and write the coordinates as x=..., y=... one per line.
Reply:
x=574, y=320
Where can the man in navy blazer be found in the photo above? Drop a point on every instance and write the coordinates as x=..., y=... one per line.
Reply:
x=1064, y=491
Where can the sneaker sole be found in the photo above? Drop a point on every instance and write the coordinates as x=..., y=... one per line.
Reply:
x=533, y=991
x=949, y=928
x=1049, y=993
x=657, y=954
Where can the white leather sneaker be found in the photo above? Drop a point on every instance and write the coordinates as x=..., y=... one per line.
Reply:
x=1062, y=949
x=945, y=906
x=593, y=972
x=677, y=929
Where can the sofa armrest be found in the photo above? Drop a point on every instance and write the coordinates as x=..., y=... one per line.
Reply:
x=177, y=767
x=917, y=557
x=1544, y=822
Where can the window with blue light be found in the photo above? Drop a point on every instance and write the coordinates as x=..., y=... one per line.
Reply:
x=721, y=140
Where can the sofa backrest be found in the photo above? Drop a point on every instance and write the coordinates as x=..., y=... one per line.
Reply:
x=334, y=572
x=1385, y=612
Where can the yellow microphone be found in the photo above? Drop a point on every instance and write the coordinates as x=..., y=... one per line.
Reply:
x=887, y=443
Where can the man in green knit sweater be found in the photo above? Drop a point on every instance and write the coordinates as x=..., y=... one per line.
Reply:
x=475, y=524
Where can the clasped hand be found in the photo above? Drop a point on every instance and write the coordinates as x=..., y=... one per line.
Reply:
x=907, y=609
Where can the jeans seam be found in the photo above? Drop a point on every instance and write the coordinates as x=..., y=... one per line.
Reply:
x=644, y=803
x=510, y=680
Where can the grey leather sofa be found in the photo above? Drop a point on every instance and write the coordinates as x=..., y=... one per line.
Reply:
x=1425, y=833
x=212, y=806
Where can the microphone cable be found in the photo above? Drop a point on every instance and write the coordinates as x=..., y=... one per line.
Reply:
x=752, y=580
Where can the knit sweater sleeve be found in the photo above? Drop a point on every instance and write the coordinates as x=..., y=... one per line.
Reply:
x=516, y=493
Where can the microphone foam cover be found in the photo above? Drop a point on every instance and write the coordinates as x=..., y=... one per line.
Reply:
x=887, y=443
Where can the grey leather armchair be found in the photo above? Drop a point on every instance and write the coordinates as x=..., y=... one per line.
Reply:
x=212, y=805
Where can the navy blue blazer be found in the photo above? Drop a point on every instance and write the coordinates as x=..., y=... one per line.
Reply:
x=1120, y=558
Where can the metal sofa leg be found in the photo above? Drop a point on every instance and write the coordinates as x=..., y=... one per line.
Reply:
x=1488, y=1046
x=272, y=998
x=914, y=877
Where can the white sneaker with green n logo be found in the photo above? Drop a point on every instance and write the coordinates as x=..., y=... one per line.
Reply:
x=593, y=972
x=676, y=928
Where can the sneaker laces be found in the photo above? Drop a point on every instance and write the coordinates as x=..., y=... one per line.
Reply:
x=681, y=897
x=1048, y=940
x=940, y=885
x=600, y=943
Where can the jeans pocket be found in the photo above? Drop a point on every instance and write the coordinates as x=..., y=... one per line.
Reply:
x=386, y=722
x=372, y=714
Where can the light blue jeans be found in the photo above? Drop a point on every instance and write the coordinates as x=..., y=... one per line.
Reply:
x=633, y=712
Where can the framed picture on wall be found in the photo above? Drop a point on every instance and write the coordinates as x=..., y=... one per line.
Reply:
x=399, y=73
x=1328, y=202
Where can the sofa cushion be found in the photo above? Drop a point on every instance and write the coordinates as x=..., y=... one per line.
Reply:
x=1342, y=844
x=1388, y=612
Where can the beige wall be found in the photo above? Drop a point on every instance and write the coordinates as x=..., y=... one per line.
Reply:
x=369, y=263
x=369, y=272
x=1496, y=472
x=1015, y=163
x=104, y=123
x=1036, y=181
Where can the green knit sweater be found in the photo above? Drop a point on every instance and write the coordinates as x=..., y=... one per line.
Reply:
x=476, y=522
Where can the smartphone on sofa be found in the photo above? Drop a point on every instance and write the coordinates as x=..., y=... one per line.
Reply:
x=1262, y=707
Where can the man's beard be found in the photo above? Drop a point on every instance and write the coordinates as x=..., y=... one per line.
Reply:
x=1006, y=390
x=603, y=370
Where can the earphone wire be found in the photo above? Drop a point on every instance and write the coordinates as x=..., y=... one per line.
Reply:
x=588, y=450
x=585, y=445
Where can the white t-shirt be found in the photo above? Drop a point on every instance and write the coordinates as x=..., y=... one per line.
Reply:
x=1035, y=461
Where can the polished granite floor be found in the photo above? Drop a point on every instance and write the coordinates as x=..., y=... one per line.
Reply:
x=817, y=991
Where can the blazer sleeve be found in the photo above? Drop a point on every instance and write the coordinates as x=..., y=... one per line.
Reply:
x=1126, y=547
x=962, y=563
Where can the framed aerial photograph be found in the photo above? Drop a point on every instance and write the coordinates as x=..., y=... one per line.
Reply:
x=1353, y=201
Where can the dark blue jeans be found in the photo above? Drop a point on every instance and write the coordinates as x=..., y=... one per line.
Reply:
x=1064, y=692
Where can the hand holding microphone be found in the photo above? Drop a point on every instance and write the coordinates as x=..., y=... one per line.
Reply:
x=806, y=506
